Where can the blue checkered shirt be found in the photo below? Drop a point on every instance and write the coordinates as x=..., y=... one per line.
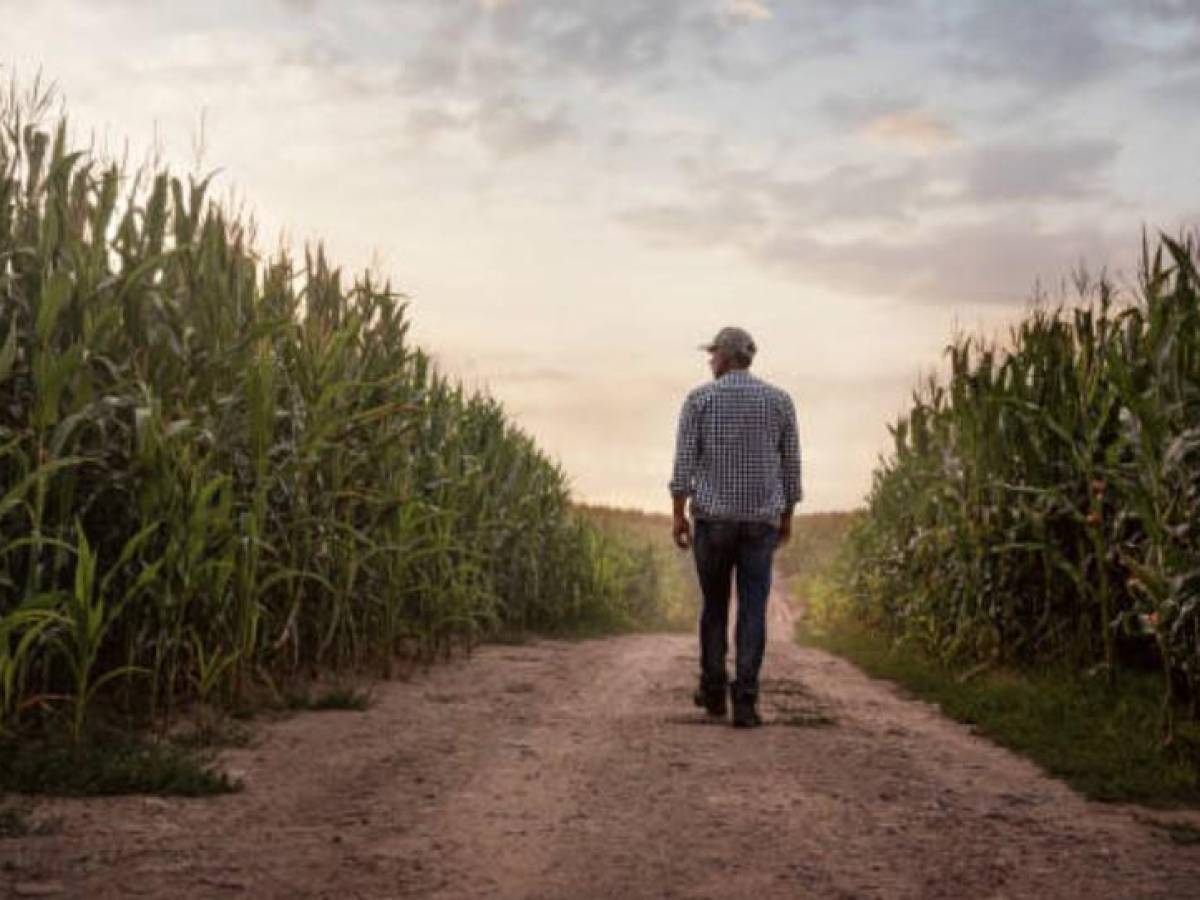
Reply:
x=737, y=452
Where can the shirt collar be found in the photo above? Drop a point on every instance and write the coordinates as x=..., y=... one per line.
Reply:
x=736, y=375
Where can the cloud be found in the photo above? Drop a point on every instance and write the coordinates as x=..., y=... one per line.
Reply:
x=1051, y=45
x=738, y=202
x=890, y=116
x=487, y=69
x=507, y=127
x=635, y=41
x=504, y=125
x=1181, y=20
x=799, y=34
x=746, y=10
x=435, y=68
x=916, y=128
x=854, y=193
x=728, y=219
x=924, y=231
x=614, y=40
x=430, y=122
x=856, y=110
x=435, y=64
x=1039, y=171
x=316, y=54
x=996, y=261
x=1181, y=90
x=961, y=184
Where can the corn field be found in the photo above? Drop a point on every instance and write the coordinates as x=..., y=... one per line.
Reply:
x=1044, y=503
x=219, y=468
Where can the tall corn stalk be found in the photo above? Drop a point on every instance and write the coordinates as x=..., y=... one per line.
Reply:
x=216, y=466
x=1043, y=504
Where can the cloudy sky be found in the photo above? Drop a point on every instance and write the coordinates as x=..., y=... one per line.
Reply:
x=575, y=193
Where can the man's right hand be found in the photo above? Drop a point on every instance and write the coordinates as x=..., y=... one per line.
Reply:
x=681, y=530
x=785, y=528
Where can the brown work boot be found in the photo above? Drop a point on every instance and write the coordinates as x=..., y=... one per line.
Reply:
x=745, y=715
x=712, y=700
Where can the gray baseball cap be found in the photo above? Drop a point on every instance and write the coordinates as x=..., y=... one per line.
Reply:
x=732, y=340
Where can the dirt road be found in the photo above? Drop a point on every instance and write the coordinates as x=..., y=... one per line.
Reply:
x=581, y=770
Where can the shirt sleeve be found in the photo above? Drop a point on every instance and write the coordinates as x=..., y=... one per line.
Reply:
x=789, y=454
x=687, y=451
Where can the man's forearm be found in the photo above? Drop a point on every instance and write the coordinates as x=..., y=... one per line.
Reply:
x=785, y=524
x=785, y=518
x=681, y=529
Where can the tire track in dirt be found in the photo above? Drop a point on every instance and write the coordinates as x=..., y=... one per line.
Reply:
x=557, y=769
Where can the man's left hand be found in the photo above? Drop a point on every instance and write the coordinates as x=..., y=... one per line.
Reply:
x=681, y=531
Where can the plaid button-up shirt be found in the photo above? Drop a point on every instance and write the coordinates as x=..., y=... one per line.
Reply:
x=737, y=452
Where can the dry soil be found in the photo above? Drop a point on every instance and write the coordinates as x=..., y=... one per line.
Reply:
x=582, y=770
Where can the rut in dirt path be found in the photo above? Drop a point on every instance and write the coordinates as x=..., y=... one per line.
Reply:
x=579, y=770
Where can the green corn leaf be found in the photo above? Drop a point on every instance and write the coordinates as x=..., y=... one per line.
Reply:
x=8, y=353
x=55, y=293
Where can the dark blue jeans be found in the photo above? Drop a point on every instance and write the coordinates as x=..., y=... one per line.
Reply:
x=721, y=549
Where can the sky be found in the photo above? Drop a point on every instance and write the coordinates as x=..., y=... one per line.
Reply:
x=575, y=194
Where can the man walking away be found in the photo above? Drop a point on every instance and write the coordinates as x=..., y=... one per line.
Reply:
x=737, y=456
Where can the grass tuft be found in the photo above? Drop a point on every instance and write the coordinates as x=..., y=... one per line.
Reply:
x=1103, y=741
x=343, y=698
x=15, y=822
x=222, y=733
x=128, y=765
x=1182, y=833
